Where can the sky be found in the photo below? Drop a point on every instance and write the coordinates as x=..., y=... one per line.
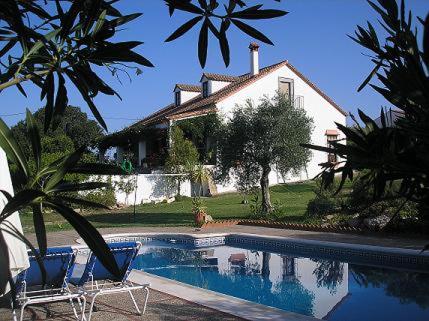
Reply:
x=313, y=37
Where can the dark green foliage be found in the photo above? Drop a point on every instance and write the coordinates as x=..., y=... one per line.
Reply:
x=325, y=201
x=391, y=152
x=105, y=197
x=202, y=131
x=182, y=157
x=74, y=124
x=360, y=201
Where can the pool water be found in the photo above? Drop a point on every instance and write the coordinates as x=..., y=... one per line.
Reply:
x=326, y=289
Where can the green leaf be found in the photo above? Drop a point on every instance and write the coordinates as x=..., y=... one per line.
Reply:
x=77, y=187
x=124, y=19
x=223, y=43
x=367, y=120
x=372, y=73
x=22, y=199
x=258, y=14
x=184, y=6
x=63, y=168
x=39, y=228
x=84, y=92
x=49, y=90
x=34, y=135
x=83, y=202
x=251, y=31
x=61, y=100
x=70, y=16
x=100, y=23
x=183, y=29
x=203, y=43
x=12, y=149
x=90, y=235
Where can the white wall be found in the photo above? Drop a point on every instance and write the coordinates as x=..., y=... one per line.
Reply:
x=213, y=85
x=185, y=95
x=323, y=113
x=150, y=188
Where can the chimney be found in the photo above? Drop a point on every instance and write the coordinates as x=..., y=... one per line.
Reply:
x=254, y=58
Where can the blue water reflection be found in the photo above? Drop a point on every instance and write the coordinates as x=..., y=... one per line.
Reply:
x=325, y=289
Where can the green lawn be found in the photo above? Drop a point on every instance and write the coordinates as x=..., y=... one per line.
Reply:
x=292, y=200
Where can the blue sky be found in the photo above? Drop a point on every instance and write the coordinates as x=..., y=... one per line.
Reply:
x=313, y=37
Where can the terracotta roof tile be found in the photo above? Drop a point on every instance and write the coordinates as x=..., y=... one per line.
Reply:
x=200, y=105
x=186, y=87
x=219, y=77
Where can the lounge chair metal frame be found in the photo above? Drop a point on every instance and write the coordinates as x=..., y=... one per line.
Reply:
x=92, y=288
x=25, y=298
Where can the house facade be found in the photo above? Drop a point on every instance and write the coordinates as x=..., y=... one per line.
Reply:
x=215, y=93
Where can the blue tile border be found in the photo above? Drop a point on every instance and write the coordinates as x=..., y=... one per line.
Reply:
x=346, y=252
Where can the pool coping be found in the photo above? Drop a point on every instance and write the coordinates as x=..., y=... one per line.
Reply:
x=218, y=301
x=393, y=257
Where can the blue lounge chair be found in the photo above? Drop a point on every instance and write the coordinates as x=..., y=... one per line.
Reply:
x=89, y=282
x=30, y=289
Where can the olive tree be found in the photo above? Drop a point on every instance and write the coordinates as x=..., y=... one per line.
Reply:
x=258, y=138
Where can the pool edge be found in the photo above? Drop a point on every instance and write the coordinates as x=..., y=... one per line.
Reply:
x=218, y=301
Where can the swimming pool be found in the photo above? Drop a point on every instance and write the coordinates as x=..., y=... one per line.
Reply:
x=312, y=285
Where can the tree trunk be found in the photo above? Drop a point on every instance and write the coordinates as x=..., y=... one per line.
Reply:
x=266, y=199
x=266, y=256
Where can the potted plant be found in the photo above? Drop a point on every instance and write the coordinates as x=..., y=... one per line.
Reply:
x=199, y=211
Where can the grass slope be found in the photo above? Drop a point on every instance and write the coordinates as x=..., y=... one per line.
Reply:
x=292, y=200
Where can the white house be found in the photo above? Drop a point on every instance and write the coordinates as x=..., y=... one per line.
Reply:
x=215, y=93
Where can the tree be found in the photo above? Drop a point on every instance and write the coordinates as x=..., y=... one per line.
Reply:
x=44, y=45
x=182, y=156
x=396, y=152
x=74, y=124
x=260, y=137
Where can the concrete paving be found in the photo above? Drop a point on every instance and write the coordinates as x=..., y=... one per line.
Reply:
x=160, y=307
x=69, y=237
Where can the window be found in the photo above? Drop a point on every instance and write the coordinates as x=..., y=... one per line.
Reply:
x=286, y=87
x=331, y=135
x=177, y=98
x=205, y=89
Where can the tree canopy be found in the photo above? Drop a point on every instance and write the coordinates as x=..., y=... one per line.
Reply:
x=182, y=156
x=74, y=127
x=258, y=138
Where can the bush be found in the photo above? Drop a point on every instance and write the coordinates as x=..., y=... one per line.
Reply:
x=325, y=201
x=360, y=200
x=105, y=196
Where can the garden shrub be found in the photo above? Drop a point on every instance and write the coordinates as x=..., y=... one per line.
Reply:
x=105, y=196
x=360, y=200
x=325, y=202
